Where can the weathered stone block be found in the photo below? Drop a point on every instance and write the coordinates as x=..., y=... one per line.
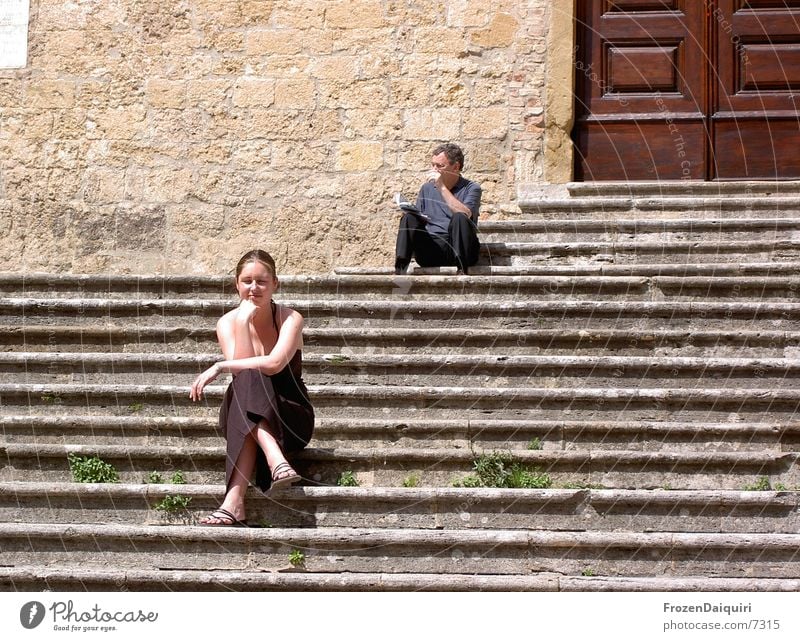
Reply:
x=449, y=93
x=384, y=124
x=303, y=14
x=249, y=92
x=104, y=186
x=224, y=41
x=475, y=13
x=299, y=94
x=120, y=123
x=273, y=41
x=273, y=124
x=409, y=92
x=432, y=124
x=278, y=66
x=440, y=40
x=158, y=185
x=360, y=156
x=491, y=122
x=256, y=12
x=204, y=93
x=404, y=14
x=340, y=68
x=195, y=220
x=227, y=15
x=292, y=156
x=501, y=32
x=140, y=227
x=50, y=94
x=347, y=14
x=367, y=94
x=167, y=94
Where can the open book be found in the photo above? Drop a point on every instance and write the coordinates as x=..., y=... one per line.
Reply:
x=408, y=206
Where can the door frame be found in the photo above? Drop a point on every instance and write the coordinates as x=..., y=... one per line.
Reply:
x=559, y=113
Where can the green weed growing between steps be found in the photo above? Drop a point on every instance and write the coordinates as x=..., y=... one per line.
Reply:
x=763, y=485
x=91, y=470
x=347, y=479
x=172, y=504
x=155, y=478
x=498, y=469
x=297, y=558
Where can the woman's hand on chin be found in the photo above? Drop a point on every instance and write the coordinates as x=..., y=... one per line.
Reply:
x=247, y=309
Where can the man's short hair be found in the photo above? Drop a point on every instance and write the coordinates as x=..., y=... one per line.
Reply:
x=453, y=152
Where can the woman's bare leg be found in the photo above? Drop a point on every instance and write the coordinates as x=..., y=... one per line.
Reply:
x=280, y=469
x=240, y=479
x=243, y=470
x=272, y=450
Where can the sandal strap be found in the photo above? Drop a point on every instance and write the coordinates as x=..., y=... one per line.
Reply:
x=221, y=514
x=225, y=513
x=282, y=468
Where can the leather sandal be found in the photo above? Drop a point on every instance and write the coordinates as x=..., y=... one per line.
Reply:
x=284, y=475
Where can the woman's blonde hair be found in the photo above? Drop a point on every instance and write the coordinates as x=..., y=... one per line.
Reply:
x=256, y=256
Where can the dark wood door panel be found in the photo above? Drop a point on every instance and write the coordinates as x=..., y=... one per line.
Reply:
x=634, y=62
x=757, y=148
x=755, y=132
x=636, y=69
x=769, y=67
x=642, y=90
x=642, y=150
x=758, y=55
x=677, y=89
x=643, y=5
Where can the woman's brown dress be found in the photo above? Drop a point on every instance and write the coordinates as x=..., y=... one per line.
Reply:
x=281, y=399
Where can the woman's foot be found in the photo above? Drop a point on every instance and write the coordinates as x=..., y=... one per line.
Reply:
x=284, y=475
x=222, y=518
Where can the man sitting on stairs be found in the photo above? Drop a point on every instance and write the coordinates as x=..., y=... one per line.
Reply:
x=444, y=229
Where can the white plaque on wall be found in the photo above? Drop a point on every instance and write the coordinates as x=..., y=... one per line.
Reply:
x=13, y=33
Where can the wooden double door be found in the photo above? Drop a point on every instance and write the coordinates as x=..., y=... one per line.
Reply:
x=687, y=89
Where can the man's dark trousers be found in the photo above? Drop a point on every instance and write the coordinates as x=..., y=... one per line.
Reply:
x=460, y=247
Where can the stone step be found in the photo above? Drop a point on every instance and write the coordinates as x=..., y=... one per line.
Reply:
x=758, y=404
x=349, y=280
x=399, y=431
x=398, y=313
x=421, y=508
x=354, y=279
x=755, y=189
x=31, y=578
x=409, y=289
x=671, y=251
x=390, y=466
x=387, y=340
x=407, y=550
x=399, y=369
x=622, y=202
x=665, y=231
x=591, y=267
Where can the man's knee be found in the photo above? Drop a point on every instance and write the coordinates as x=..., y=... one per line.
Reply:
x=410, y=221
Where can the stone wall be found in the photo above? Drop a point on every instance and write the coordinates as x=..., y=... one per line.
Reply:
x=169, y=136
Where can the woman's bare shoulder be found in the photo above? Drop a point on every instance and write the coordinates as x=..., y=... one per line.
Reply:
x=285, y=313
x=226, y=319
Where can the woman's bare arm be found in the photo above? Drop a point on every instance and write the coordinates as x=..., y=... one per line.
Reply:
x=290, y=339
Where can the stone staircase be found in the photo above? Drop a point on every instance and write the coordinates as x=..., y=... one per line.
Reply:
x=635, y=346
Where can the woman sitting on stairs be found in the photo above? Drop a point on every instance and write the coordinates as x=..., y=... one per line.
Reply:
x=265, y=413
